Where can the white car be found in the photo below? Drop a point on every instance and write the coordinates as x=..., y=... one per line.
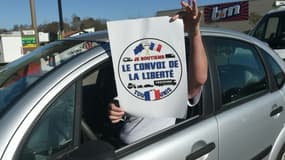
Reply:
x=271, y=29
x=53, y=105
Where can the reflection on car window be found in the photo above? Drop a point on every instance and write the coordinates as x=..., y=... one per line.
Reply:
x=54, y=131
x=271, y=29
x=18, y=76
x=278, y=74
x=260, y=31
x=241, y=73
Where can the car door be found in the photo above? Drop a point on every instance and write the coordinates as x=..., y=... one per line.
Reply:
x=193, y=138
x=54, y=132
x=197, y=141
x=249, y=110
x=51, y=128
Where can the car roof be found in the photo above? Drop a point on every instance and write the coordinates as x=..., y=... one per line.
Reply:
x=99, y=36
x=277, y=10
x=102, y=36
x=225, y=32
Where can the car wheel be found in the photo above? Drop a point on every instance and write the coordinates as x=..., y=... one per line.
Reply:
x=281, y=155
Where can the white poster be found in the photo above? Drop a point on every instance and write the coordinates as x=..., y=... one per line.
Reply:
x=150, y=66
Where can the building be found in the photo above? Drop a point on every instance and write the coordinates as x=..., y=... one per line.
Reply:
x=256, y=9
x=15, y=44
x=10, y=47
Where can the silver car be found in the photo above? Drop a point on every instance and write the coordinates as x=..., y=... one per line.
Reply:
x=53, y=105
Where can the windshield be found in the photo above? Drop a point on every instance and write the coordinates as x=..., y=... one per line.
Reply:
x=18, y=76
x=272, y=30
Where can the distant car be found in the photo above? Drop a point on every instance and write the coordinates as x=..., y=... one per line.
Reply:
x=53, y=105
x=271, y=29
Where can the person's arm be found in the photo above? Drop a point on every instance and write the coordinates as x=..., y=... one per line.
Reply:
x=198, y=65
x=197, y=62
x=116, y=113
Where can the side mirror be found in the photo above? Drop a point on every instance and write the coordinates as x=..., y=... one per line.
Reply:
x=91, y=150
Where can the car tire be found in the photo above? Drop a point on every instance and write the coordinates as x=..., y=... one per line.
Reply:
x=281, y=154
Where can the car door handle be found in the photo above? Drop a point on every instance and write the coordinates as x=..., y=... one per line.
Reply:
x=202, y=151
x=276, y=111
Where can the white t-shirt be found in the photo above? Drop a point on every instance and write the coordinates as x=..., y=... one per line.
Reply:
x=139, y=127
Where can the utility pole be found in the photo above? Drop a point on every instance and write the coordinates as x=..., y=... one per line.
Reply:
x=61, y=27
x=34, y=21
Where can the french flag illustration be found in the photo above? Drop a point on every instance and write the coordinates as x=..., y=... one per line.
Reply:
x=138, y=49
x=152, y=95
x=155, y=47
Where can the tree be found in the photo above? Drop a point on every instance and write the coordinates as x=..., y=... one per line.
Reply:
x=50, y=27
x=90, y=22
x=87, y=23
x=2, y=30
x=75, y=24
x=16, y=28
x=101, y=24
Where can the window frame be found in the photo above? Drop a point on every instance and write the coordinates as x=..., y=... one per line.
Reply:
x=269, y=71
x=217, y=97
x=76, y=125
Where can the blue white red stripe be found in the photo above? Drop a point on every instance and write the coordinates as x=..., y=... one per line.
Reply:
x=152, y=95
x=155, y=47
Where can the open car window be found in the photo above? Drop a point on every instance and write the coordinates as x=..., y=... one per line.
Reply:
x=17, y=77
x=99, y=89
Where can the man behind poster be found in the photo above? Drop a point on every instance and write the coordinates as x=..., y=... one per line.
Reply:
x=139, y=127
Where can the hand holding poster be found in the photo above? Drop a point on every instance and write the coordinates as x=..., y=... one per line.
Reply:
x=150, y=66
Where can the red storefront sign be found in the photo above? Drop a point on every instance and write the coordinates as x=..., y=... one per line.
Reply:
x=234, y=11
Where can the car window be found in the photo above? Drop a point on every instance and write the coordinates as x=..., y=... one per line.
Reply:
x=278, y=74
x=260, y=30
x=241, y=73
x=271, y=29
x=99, y=89
x=23, y=73
x=54, y=131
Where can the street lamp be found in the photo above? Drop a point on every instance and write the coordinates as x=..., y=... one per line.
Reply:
x=34, y=21
x=61, y=27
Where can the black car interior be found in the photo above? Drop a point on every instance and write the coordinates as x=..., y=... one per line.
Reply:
x=96, y=98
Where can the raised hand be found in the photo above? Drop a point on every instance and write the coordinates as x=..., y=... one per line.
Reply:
x=191, y=16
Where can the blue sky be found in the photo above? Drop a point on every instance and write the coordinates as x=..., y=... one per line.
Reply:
x=16, y=12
